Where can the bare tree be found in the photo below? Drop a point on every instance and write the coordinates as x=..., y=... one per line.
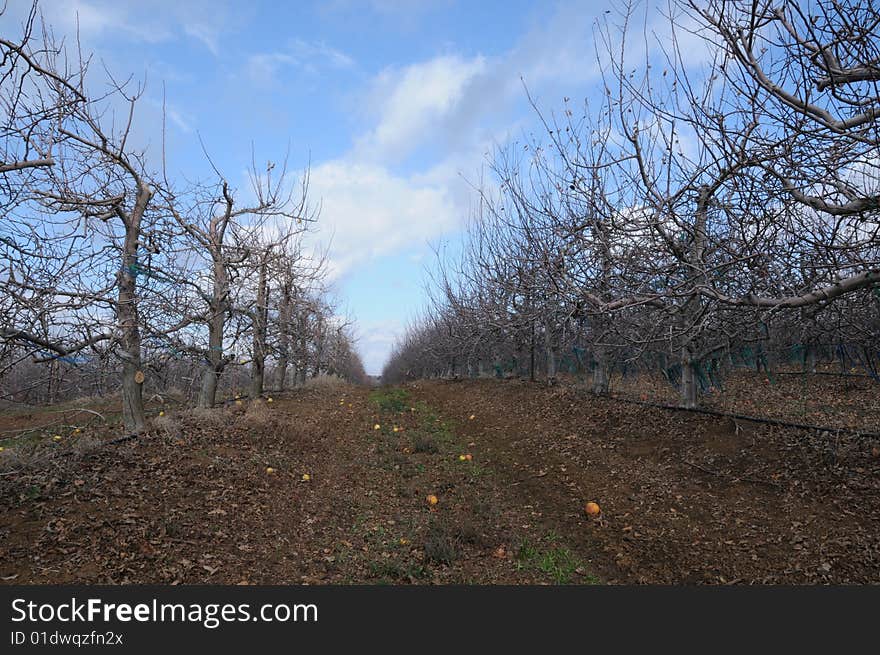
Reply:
x=98, y=186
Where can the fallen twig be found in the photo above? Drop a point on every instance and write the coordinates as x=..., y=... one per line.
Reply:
x=733, y=478
x=127, y=437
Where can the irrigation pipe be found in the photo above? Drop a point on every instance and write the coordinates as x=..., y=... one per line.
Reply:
x=754, y=419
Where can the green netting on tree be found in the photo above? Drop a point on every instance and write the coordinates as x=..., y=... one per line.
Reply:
x=568, y=363
x=578, y=355
x=504, y=367
x=702, y=378
x=797, y=353
x=137, y=270
x=871, y=365
x=710, y=374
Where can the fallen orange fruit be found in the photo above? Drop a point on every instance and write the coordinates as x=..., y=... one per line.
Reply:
x=432, y=499
x=306, y=477
x=468, y=457
x=377, y=427
x=592, y=509
x=461, y=458
x=270, y=470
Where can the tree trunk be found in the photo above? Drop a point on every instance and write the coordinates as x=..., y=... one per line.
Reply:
x=208, y=391
x=216, y=324
x=281, y=373
x=532, y=354
x=258, y=367
x=600, y=373
x=811, y=359
x=284, y=324
x=551, y=358
x=54, y=382
x=133, y=418
x=688, y=382
x=692, y=308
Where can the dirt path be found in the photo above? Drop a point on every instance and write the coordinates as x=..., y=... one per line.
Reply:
x=221, y=497
x=196, y=502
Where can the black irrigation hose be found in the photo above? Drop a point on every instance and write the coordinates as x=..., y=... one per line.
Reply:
x=754, y=419
x=838, y=375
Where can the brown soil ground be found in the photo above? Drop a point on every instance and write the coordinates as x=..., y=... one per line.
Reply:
x=685, y=498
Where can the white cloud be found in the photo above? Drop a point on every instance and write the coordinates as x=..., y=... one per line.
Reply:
x=307, y=56
x=374, y=342
x=177, y=118
x=209, y=35
x=97, y=19
x=371, y=212
x=263, y=67
x=318, y=52
x=150, y=22
x=411, y=102
x=152, y=114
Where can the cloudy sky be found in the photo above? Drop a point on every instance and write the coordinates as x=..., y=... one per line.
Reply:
x=395, y=103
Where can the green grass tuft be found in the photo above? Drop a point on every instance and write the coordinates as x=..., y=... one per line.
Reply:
x=557, y=562
x=390, y=400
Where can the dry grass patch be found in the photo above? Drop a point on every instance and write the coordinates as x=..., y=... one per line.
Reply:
x=25, y=457
x=258, y=412
x=168, y=426
x=217, y=417
x=323, y=381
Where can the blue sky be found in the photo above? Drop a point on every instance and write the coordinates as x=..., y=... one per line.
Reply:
x=395, y=102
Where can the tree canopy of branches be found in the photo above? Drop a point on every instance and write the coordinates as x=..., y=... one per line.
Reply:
x=699, y=206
